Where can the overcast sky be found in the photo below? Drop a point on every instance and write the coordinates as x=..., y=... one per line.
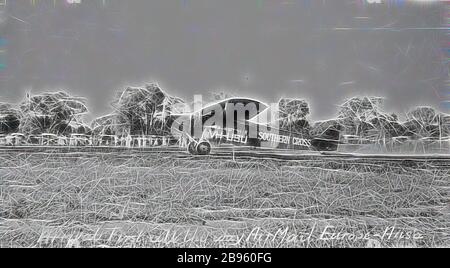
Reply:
x=321, y=50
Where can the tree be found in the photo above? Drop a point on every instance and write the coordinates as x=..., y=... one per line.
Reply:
x=293, y=115
x=140, y=111
x=55, y=112
x=363, y=117
x=9, y=119
x=425, y=122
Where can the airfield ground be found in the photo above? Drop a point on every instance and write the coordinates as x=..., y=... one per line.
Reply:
x=170, y=199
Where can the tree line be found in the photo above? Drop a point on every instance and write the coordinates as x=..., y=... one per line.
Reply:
x=146, y=111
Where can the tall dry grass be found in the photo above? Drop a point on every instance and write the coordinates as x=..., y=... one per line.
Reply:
x=161, y=201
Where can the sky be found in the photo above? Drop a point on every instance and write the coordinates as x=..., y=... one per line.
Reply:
x=320, y=50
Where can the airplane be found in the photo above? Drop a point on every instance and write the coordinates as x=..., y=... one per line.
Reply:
x=244, y=122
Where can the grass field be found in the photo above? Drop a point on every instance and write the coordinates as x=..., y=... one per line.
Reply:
x=155, y=200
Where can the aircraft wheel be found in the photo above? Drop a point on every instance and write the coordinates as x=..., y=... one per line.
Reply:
x=204, y=148
x=192, y=148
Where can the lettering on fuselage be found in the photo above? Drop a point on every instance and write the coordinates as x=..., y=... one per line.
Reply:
x=274, y=138
x=283, y=139
x=301, y=142
x=228, y=134
x=241, y=137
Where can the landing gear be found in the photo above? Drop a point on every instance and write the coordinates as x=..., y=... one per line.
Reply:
x=204, y=148
x=199, y=148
